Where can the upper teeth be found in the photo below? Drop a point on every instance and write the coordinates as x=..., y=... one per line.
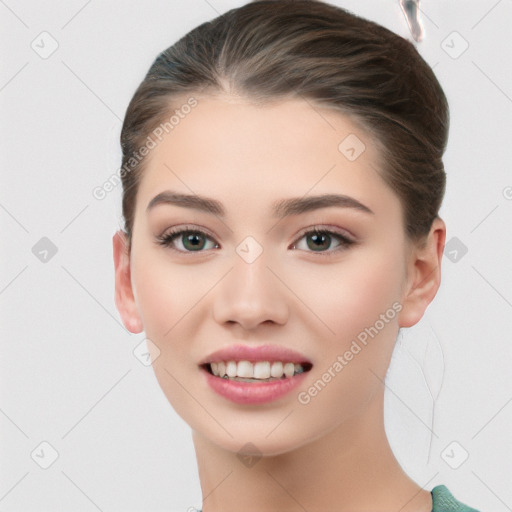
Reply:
x=259, y=370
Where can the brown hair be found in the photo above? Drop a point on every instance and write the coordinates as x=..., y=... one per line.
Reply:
x=277, y=49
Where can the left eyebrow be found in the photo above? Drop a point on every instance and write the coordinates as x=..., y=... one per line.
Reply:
x=296, y=206
x=282, y=208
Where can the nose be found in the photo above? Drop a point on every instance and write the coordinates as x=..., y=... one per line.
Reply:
x=250, y=295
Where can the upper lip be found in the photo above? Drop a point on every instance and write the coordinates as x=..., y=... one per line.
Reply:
x=254, y=354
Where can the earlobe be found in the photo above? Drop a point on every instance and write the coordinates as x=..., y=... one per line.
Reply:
x=424, y=275
x=124, y=297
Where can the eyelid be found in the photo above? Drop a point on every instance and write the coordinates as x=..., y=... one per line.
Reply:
x=343, y=233
x=173, y=230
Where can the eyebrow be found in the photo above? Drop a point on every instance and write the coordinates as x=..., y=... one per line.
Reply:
x=282, y=208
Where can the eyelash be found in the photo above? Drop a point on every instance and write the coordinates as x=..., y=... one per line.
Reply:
x=167, y=239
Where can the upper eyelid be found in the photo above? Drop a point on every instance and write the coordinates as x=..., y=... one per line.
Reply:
x=325, y=228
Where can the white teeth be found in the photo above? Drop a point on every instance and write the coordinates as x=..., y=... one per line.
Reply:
x=260, y=370
x=244, y=369
x=231, y=369
x=289, y=369
x=277, y=369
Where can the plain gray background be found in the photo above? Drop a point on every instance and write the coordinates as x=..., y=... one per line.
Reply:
x=69, y=376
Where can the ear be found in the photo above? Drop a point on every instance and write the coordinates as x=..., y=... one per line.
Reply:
x=124, y=297
x=424, y=275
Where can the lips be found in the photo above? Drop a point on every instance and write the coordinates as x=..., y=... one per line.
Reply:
x=252, y=375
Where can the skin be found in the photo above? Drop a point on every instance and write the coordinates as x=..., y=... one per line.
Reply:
x=331, y=453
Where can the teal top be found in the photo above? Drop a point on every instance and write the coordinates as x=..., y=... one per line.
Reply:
x=444, y=501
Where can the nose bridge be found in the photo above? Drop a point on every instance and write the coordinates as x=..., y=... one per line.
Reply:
x=250, y=294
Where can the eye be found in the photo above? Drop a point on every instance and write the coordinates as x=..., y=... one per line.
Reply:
x=320, y=240
x=317, y=239
x=187, y=240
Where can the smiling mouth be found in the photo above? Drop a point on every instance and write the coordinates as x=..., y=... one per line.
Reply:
x=259, y=371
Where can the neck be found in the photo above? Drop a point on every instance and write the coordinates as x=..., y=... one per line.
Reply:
x=351, y=468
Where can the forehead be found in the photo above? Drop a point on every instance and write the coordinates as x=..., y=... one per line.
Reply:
x=232, y=149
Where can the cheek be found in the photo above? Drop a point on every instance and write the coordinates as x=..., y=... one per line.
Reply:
x=368, y=292
x=169, y=301
x=360, y=305
x=358, y=300
x=352, y=295
x=166, y=292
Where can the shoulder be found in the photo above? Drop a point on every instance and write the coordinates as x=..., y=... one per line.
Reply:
x=444, y=501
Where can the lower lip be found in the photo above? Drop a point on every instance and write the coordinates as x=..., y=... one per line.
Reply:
x=253, y=392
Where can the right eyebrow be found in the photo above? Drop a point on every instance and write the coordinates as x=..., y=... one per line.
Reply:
x=196, y=202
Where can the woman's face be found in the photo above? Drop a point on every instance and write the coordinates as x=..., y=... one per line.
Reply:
x=252, y=275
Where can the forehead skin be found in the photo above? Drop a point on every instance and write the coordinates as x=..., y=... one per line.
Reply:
x=247, y=156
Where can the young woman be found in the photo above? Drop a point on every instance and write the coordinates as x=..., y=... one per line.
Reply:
x=282, y=177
